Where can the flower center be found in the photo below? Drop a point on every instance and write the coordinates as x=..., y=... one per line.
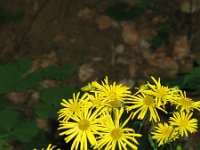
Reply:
x=74, y=107
x=183, y=123
x=149, y=101
x=112, y=95
x=166, y=132
x=84, y=124
x=115, y=103
x=185, y=102
x=116, y=134
x=162, y=92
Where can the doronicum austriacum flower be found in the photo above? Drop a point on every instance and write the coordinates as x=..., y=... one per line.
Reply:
x=164, y=133
x=113, y=134
x=114, y=94
x=49, y=147
x=143, y=105
x=162, y=94
x=72, y=106
x=95, y=118
x=81, y=128
x=183, y=123
x=185, y=103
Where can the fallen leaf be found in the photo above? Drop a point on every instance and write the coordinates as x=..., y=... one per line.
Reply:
x=16, y=97
x=181, y=48
x=119, y=49
x=130, y=34
x=85, y=72
x=133, y=70
x=87, y=13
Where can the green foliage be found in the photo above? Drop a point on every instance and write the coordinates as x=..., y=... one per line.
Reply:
x=162, y=36
x=8, y=17
x=123, y=11
x=9, y=119
x=17, y=77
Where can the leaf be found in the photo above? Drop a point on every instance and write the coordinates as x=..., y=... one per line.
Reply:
x=26, y=130
x=67, y=71
x=51, y=72
x=8, y=119
x=193, y=74
x=55, y=73
x=197, y=60
x=123, y=11
x=24, y=64
x=9, y=75
x=55, y=94
x=152, y=142
x=32, y=80
x=46, y=111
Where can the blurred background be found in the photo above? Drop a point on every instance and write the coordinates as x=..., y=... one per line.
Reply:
x=51, y=48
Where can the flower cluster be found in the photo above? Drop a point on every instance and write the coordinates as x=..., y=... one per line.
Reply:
x=99, y=116
x=153, y=98
x=94, y=118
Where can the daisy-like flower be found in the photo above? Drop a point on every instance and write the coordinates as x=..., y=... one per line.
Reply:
x=115, y=94
x=50, y=147
x=183, y=123
x=142, y=104
x=81, y=128
x=112, y=134
x=162, y=94
x=98, y=101
x=164, y=133
x=72, y=106
x=185, y=103
x=89, y=86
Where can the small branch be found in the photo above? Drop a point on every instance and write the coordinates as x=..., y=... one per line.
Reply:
x=19, y=43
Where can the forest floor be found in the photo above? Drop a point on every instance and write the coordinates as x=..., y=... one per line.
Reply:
x=162, y=42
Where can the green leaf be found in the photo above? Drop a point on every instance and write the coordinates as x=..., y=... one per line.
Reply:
x=197, y=60
x=26, y=130
x=123, y=11
x=51, y=72
x=9, y=75
x=8, y=119
x=55, y=73
x=193, y=74
x=24, y=64
x=46, y=111
x=55, y=94
x=67, y=71
x=32, y=80
x=153, y=145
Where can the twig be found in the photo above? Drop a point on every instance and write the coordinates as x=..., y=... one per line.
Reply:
x=190, y=20
x=19, y=43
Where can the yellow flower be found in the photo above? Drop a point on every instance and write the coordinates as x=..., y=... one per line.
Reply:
x=80, y=128
x=142, y=104
x=185, y=103
x=115, y=94
x=72, y=106
x=50, y=147
x=98, y=101
x=112, y=134
x=89, y=86
x=162, y=94
x=183, y=123
x=164, y=133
